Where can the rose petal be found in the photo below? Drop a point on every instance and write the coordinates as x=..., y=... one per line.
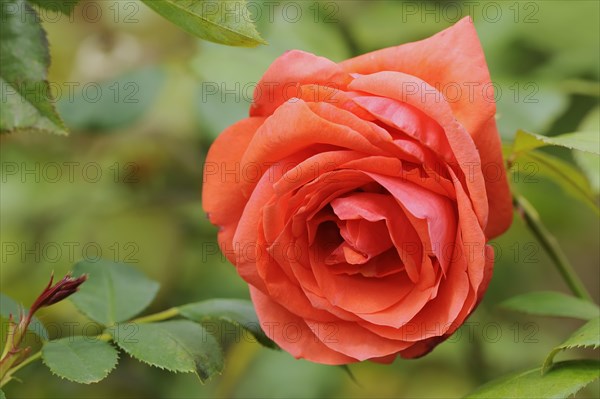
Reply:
x=395, y=85
x=409, y=120
x=435, y=209
x=354, y=341
x=291, y=332
x=281, y=82
x=274, y=141
x=499, y=197
x=222, y=198
x=452, y=57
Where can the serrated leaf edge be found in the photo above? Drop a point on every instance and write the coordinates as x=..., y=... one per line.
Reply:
x=174, y=370
x=108, y=371
x=549, y=361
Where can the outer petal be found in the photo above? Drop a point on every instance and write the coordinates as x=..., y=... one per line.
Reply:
x=499, y=197
x=287, y=73
x=222, y=198
x=292, y=334
x=453, y=56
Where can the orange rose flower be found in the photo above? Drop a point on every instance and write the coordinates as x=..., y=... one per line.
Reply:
x=357, y=198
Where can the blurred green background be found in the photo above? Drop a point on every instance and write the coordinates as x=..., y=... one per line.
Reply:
x=144, y=100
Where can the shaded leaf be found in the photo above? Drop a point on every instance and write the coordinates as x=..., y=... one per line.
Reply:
x=587, y=336
x=9, y=306
x=225, y=22
x=536, y=163
x=537, y=104
x=564, y=380
x=27, y=102
x=113, y=104
x=582, y=141
x=551, y=303
x=236, y=311
x=64, y=6
x=113, y=292
x=178, y=346
x=590, y=163
x=80, y=359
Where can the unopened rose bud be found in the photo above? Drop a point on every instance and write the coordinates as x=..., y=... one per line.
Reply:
x=56, y=293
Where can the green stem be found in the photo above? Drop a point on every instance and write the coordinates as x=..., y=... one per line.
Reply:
x=550, y=244
x=165, y=314
x=160, y=316
x=30, y=359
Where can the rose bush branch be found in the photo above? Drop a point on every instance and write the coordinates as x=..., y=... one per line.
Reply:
x=26, y=360
x=178, y=339
x=13, y=356
x=550, y=244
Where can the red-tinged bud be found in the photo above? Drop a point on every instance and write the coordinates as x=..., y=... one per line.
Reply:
x=56, y=293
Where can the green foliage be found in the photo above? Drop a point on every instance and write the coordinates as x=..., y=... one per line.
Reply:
x=113, y=104
x=550, y=303
x=567, y=177
x=583, y=187
x=177, y=346
x=80, y=359
x=64, y=6
x=211, y=20
x=166, y=197
x=9, y=306
x=590, y=165
x=582, y=141
x=235, y=311
x=587, y=336
x=27, y=103
x=588, y=162
x=565, y=379
x=114, y=292
x=2, y=395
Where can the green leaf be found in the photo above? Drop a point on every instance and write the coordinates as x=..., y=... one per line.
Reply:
x=2, y=395
x=536, y=105
x=177, y=346
x=112, y=104
x=80, y=359
x=582, y=141
x=9, y=306
x=551, y=303
x=64, y=6
x=113, y=292
x=235, y=311
x=590, y=163
x=225, y=22
x=564, y=380
x=587, y=336
x=565, y=175
x=27, y=103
